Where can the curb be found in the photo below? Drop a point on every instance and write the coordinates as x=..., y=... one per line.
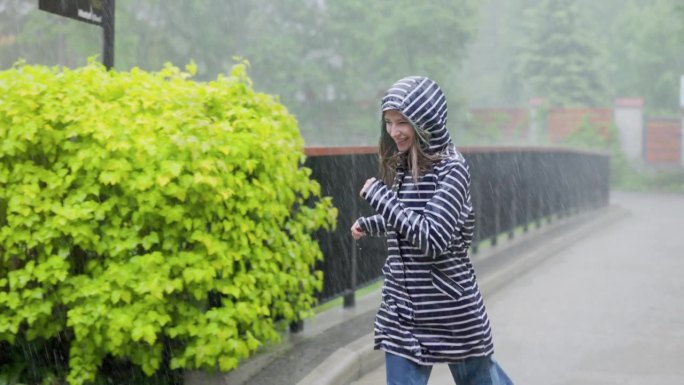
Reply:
x=346, y=364
x=366, y=305
x=496, y=267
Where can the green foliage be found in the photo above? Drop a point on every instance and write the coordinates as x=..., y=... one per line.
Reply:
x=486, y=77
x=555, y=58
x=10, y=373
x=321, y=58
x=27, y=363
x=329, y=60
x=128, y=200
x=592, y=137
x=638, y=53
x=44, y=38
x=647, y=53
x=652, y=180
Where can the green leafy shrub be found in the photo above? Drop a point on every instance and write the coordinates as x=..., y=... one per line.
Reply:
x=652, y=180
x=593, y=137
x=149, y=217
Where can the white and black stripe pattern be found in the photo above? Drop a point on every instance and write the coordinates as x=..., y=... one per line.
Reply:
x=432, y=310
x=374, y=226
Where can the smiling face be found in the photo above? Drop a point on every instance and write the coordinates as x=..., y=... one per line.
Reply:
x=399, y=128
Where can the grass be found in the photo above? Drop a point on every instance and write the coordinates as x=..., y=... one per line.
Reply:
x=645, y=180
x=339, y=301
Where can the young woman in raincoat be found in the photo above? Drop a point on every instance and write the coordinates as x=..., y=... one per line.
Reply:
x=432, y=309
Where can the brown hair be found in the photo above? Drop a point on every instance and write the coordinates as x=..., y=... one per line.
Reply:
x=416, y=160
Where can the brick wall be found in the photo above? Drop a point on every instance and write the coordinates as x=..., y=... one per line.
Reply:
x=663, y=141
x=513, y=122
x=656, y=141
x=561, y=122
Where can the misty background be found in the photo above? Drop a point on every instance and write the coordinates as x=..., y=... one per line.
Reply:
x=329, y=62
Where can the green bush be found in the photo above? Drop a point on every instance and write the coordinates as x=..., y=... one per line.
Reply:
x=146, y=216
x=652, y=180
x=591, y=137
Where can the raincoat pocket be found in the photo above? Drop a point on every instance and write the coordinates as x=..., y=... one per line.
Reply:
x=446, y=285
x=398, y=308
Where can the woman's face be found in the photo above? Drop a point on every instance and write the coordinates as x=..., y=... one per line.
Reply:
x=399, y=129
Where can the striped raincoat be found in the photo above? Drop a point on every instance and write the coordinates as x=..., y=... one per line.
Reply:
x=432, y=309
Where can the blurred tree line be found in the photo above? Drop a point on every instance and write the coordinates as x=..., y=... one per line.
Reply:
x=330, y=61
x=578, y=53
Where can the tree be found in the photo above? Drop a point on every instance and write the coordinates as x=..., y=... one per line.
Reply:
x=646, y=51
x=43, y=38
x=369, y=45
x=555, y=56
x=486, y=75
x=327, y=60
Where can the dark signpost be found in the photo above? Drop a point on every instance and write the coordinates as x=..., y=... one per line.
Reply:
x=98, y=12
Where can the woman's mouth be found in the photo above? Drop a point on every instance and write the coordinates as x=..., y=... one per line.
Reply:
x=400, y=141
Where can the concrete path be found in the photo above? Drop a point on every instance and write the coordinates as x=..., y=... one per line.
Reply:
x=607, y=310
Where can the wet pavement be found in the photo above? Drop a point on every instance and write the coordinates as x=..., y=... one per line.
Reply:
x=606, y=309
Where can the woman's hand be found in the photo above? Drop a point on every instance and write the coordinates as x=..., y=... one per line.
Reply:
x=356, y=231
x=367, y=185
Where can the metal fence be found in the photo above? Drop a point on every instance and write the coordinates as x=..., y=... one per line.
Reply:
x=511, y=188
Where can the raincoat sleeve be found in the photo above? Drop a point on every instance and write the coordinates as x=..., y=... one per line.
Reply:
x=432, y=230
x=373, y=226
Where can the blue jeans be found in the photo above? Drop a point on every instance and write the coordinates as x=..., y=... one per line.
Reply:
x=471, y=371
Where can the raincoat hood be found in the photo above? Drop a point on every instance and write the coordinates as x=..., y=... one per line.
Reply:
x=422, y=101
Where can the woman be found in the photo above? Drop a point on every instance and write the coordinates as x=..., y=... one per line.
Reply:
x=432, y=310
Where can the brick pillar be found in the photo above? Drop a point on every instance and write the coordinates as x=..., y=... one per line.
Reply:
x=628, y=115
x=681, y=139
x=537, y=126
x=681, y=132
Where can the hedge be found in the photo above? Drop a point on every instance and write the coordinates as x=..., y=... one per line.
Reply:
x=146, y=216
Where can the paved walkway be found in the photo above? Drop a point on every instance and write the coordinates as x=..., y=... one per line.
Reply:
x=607, y=310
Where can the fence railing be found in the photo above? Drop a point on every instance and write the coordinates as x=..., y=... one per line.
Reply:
x=511, y=188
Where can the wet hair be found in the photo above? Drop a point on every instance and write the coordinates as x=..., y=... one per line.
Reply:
x=416, y=160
